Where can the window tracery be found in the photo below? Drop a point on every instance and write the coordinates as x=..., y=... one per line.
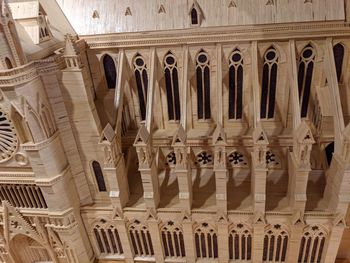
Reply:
x=235, y=85
x=172, y=86
x=173, y=240
x=8, y=138
x=305, y=73
x=275, y=244
x=206, y=242
x=203, y=86
x=312, y=244
x=110, y=71
x=107, y=238
x=269, y=82
x=240, y=243
x=141, y=76
x=141, y=239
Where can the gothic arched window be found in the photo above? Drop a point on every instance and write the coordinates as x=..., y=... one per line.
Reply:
x=110, y=71
x=240, y=243
x=194, y=16
x=306, y=68
x=107, y=238
x=329, y=152
x=269, y=82
x=203, y=86
x=172, y=86
x=99, y=176
x=141, y=239
x=173, y=240
x=275, y=244
x=338, y=52
x=312, y=245
x=206, y=242
x=141, y=77
x=8, y=63
x=235, y=85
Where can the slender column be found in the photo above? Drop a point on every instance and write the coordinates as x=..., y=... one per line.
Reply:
x=296, y=233
x=219, y=106
x=187, y=228
x=220, y=169
x=223, y=240
x=255, y=84
x=153, y=226
x=332, y=244
x=258, y=241
x=147, y=168
x=183, y=169
x=121, y=225
x=184, y=89
x=151, y=87
x=259, y=169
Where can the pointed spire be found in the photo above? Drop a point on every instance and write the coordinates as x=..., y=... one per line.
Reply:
x=339, y=220
x=219, y=135
x=95, y=14
x=108, y=133
x=128, y=12
x=142, y=136
x=259, y=135
x=180, y=136
x=69, y=48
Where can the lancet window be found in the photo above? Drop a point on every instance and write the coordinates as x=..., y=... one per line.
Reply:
x=235, y=85
x=275, y=244
x=240, y=243
x=203, y=86
x=172, y=86
x=107, y=238
x=99, y=176
x=194, y=16
x=306, y=68
x=141, y=239
x=338, y=52
x=206, y=242
x=312, y=244
x=269, y=82
x=173, y=240
x=141, y=77
x=110, y=71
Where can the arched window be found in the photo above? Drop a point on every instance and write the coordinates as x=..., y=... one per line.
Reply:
x=141, y=239
x=173, y=240
x=338, y=52
x=329, y=152
x=107, y=238
x=99, y=176
x=194, y=16
x=306, y=68
x=110, y=71
x=203, y=86
x=206, y=242
x=172, y=86
x=240, y=243
x=269, y=82
x=8, y=63
x=312, y=244
x=275, y=244
x=141, y=83
x=235, y=85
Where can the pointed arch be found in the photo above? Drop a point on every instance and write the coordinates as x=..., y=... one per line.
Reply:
x=203, y=85
x=96, y=167
x=172, y=86
x=8, y=63
x=269, y=82
x=110, y=71
x=235, y=99
x=240, y=242
x=338, y=53
x=312, y=244
x=194, y=16
x=305, y=74
x=141, y=77
x=206, y=241
x=140, y=239
x=275, y=244
x=173, y=240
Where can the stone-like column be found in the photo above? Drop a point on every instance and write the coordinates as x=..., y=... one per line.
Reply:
x=153, y=227
x=259, y=170
x=147, y=168
x=183, y=169
x=220, y=170
x=187, y=228
x=297, y=228
x=223, y=239
x=258, y=238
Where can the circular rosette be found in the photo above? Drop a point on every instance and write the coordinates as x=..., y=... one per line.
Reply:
x=8, y=138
